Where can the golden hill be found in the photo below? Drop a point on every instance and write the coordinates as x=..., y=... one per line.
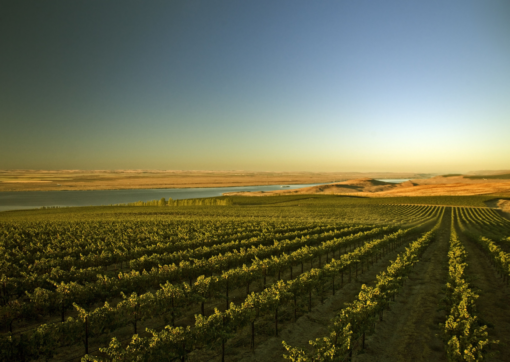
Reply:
x=436, y=186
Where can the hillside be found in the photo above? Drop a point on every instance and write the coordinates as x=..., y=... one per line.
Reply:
x=436, y=186
x=37, y=180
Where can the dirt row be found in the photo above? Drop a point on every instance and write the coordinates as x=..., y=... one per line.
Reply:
x=493, y=304
x=408, y=330
x=314, y=324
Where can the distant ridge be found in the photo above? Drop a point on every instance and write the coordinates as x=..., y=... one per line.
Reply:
x=363, y=185
x=368, y=187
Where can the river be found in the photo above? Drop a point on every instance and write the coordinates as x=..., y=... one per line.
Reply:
x=36, y=199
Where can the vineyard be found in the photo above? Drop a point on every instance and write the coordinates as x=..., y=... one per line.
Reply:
x=279, y=278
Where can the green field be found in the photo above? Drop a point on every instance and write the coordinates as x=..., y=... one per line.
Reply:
x=256, y=279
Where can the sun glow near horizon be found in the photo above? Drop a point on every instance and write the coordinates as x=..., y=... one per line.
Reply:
x=260, y=85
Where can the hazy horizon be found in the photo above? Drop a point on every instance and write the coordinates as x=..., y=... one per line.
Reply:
x=361, y=86
x=470, y=172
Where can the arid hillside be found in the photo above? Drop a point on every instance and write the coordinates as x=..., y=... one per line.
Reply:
x=34, y=180
x=436, y=186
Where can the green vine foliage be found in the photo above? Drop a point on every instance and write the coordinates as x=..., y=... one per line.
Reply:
x=266, y=251
x=465, y=338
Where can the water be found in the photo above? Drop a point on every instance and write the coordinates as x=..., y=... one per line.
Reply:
x=36, y=199
x=394, y=180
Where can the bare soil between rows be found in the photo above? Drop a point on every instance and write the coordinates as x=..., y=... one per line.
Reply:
x=313, y=324
x=410, y=330
x=493, y=305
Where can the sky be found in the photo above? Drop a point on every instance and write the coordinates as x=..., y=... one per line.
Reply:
x=287, y=85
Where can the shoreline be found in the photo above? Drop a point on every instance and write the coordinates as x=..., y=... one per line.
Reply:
x=164, y=188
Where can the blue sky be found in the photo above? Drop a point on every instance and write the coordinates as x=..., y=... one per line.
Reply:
x=255, y=85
